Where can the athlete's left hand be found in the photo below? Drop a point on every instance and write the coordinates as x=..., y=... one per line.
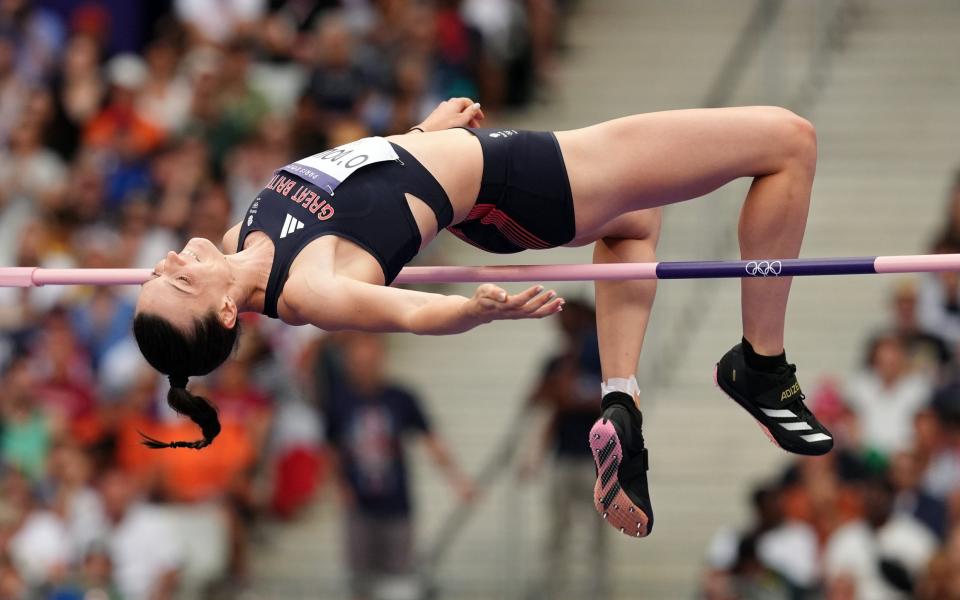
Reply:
x=492, y=303
x=455, y=112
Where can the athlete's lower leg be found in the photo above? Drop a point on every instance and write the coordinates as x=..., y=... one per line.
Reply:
x=772, y=224
x=756, y=373
x=623, y=307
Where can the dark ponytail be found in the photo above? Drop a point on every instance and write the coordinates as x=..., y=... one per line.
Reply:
x=200, y=410
x=170, y=351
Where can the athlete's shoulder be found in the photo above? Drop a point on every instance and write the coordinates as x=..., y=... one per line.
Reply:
x=229, y=242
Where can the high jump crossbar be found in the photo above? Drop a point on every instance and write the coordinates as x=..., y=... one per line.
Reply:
x=712, y=269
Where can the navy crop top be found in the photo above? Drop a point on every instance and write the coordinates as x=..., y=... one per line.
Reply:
x=329, y=194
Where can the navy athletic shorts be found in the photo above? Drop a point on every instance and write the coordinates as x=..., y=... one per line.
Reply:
x=524, y=201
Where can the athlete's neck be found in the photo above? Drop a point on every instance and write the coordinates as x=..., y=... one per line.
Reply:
x=250, y=271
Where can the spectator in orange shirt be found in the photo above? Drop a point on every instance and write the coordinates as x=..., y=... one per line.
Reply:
x=119, y=127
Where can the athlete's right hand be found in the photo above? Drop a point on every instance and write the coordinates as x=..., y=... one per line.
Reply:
x=455, y=112
x=491, y=303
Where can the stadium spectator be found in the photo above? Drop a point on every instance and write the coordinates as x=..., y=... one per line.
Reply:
x=39, y=542
x=938, y=300
x=942, y=576
x=885, y=552
x=950, y=234
x=926, y=351
x=28, y=430
x=94, y=578
x=164, y=99
x=905, y=473
x=819, y=491
x=368, y=421
x=231, y=17
x=69, y=491
x=38, y=35
x=144, y=550
x=773, y=547
x=940, y=428
x=886, y=396
x=13, y=90
x=78, y=90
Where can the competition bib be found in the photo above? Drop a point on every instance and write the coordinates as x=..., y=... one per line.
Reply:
x=330, y=168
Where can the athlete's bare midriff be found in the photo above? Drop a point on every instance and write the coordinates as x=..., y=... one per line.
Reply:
x=454, y=158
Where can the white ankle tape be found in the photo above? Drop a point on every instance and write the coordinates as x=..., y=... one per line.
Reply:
x=620, y=384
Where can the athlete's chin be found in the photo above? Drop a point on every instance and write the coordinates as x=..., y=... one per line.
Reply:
x=203, y=248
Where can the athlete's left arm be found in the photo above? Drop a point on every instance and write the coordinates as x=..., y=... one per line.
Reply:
x=339, y=303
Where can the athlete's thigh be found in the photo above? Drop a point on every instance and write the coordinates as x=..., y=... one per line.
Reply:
x=659, y=158
x=641, y=224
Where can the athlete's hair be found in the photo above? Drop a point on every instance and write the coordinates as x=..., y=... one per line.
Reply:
x=180, y=355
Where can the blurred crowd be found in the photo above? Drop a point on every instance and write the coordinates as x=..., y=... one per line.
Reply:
x=879, y=517
x=127, y=127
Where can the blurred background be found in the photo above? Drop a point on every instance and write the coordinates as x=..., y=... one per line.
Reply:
x=397, y=467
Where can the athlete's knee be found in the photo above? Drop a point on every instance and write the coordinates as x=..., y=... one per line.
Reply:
x=796, y=136
x=640, y=225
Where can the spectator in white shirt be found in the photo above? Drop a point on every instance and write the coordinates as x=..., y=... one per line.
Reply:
x=886, y=396
x=145, y=552
x=884, y=553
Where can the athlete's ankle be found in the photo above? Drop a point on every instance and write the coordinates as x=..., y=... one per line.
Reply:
x=626, y=385
x=762, y=362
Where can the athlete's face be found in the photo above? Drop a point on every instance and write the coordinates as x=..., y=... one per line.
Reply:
x=186, y=285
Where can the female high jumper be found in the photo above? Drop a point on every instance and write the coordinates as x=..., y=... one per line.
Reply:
x=325, y=238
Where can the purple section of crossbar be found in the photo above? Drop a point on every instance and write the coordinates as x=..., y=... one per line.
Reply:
x=764, y=268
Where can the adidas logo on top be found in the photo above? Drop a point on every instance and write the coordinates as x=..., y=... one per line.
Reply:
x=290, y=225
x=503, y=133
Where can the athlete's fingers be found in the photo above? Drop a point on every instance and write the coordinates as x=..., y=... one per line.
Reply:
x=550, y=308
x=475, y=113
x=461, y=103
x=534, y=304
x=518, y=300
x=477, y=118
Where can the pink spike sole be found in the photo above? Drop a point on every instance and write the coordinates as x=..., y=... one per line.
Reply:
x=610, y=500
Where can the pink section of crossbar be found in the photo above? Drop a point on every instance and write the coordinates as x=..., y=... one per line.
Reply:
x=507, y=274
x=917, y=264
x=16, y=276
x=33, y=276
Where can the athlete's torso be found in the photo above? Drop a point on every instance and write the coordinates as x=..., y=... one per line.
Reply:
x=361, y=230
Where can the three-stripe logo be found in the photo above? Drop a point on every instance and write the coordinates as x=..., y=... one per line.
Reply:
x=796, y=425
x=290, y=225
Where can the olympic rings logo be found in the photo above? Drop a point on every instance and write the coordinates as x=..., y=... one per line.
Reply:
x=764, y=268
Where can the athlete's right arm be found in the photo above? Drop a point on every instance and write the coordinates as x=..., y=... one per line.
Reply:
x=341, y=303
